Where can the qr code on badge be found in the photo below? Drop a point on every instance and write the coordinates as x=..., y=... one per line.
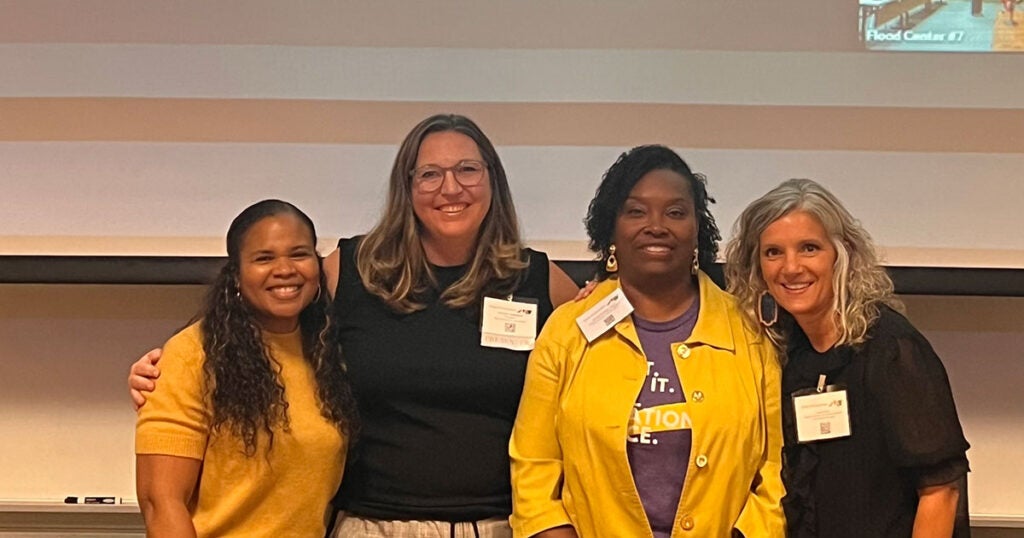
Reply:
x=826, y=428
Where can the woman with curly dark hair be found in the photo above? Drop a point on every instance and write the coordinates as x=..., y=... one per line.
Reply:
x=437, y=389
x=652, y=383
x=251, y=439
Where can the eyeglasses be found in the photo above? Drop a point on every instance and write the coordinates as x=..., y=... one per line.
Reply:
x=429, y=177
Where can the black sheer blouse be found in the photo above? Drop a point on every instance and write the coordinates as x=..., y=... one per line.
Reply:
x=905, y=435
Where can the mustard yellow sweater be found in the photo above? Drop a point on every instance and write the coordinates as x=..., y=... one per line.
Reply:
x=283, y=493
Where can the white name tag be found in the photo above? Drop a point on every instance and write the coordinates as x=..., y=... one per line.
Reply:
x=604, y=315
x=508, y=324
x=822, y=416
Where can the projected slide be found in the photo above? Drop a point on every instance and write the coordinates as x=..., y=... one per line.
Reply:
x=942, y=25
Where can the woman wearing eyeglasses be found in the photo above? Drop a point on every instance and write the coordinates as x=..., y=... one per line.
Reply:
x=437, y=394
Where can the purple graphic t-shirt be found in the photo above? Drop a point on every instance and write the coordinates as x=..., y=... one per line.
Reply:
x=659, y=439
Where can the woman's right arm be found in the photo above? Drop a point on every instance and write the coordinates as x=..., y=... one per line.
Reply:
x=164, y=485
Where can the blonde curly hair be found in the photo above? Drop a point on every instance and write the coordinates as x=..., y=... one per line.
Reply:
x=860, y=284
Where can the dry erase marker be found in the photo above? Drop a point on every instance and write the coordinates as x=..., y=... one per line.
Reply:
x=90, y=500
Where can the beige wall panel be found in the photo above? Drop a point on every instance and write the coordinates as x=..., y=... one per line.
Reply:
x=68, y=425
x=142, y=191
x=978, y=339
x=967, y=130
x=450, y=75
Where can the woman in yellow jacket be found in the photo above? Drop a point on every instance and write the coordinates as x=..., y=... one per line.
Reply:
x=650, y=408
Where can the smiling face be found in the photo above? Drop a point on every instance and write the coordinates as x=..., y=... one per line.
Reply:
x=278, y=271
x=454, y=213
x=656, y=228
x=797, y=261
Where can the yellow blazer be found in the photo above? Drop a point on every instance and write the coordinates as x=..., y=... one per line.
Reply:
x=568, y=447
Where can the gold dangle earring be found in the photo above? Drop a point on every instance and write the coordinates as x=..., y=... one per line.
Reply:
x=695, y=266
x=611, y=264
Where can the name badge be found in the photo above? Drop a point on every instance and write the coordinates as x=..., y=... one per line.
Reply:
x=604, y=315
x=508, y=324
x=822, y=415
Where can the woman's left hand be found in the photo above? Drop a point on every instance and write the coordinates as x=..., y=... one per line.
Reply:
x=585, y=291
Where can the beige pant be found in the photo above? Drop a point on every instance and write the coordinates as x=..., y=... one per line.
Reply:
x=349, y=526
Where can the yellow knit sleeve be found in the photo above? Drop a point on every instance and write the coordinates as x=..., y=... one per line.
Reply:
x=176, y=418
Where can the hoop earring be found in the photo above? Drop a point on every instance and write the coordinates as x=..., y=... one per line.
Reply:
x=767, y=309
x=611, y=264
x=319, y=292
x=695, y=266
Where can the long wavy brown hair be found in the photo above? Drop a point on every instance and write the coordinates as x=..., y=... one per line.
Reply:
x=391, y=261
x=246, y=395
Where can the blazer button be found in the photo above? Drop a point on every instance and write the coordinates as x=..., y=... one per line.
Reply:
x=698, y=396
x=683, y=351
x=702, y=461
x=687, y=523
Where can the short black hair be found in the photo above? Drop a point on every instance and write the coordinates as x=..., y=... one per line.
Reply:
x=619, y=181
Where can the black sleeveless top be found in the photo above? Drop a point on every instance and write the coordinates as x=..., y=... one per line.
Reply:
x=437, y=408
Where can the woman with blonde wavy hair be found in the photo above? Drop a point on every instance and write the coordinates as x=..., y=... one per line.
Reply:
x=873, y=444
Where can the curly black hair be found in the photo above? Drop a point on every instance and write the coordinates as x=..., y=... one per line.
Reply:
x=239, y=372
x=619, y=181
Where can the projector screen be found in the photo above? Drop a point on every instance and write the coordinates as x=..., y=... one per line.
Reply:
x=941, y=26
x=144, y=131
